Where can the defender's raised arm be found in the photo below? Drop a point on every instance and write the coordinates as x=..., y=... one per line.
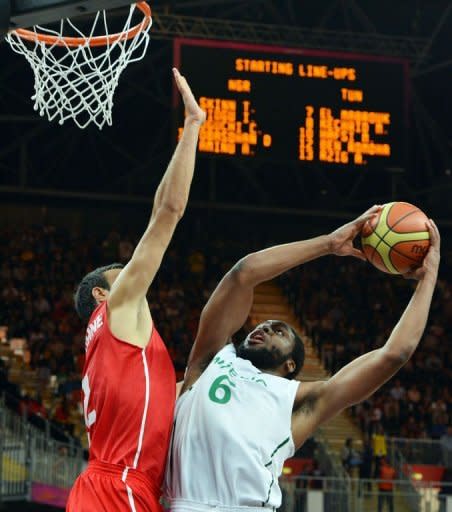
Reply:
x=169, y=205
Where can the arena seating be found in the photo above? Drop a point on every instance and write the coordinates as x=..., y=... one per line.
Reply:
x=349, y=308
x=345, y=307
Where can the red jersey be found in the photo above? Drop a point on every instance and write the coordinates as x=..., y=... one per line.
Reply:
x=128, y=400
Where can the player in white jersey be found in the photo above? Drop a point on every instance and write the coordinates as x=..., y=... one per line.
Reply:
x=240, y=414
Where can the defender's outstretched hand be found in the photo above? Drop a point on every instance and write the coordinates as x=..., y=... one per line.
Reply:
x=341, y=240
x=193, y=111
x=430, y=263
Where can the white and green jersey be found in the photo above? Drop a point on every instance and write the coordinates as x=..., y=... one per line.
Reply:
x=232, y=434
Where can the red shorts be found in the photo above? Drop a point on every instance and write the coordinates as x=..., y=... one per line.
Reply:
x=109, y=487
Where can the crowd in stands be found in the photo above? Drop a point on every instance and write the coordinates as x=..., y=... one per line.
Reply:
x=40, y=267
x=347, y=308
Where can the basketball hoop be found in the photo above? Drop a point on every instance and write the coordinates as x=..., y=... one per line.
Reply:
x=76, y=75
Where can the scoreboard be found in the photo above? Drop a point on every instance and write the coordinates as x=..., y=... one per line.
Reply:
x=295, y=105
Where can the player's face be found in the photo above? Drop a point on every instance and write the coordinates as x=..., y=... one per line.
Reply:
x=268, y=346
x=101, y=294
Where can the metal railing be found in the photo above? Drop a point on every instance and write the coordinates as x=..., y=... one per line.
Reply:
x=329, y=459
x=29, y=456
x=330, y=464
x=363, y=495
x=335, y=496
x=14, y=458
x=49, y=428
x=403, y=470
x=54, y=463
x=421, y=451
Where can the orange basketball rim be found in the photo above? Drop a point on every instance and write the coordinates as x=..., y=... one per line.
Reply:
x=107, y=40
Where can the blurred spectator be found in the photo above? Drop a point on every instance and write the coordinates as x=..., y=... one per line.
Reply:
x=411, y=428
x=376, y=417
x=391, y=415
x=365, y=469
x=349, y=456
x=386, y=486
x=397, y=391
x=413, y=395
x=61, y=414
x=316, y=474
x=378, y=448
x=446, y=447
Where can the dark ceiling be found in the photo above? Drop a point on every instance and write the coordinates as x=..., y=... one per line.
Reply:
x=127, y=160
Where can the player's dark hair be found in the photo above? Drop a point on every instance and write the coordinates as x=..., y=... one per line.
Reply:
x=297, y=353
x=84, y=301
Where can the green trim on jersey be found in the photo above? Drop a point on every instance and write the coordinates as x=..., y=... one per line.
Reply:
x=280, y=445
x=269, y=491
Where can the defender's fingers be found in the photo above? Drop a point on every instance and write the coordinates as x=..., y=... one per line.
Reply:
x=360, y=221
x=358, y=254
x=374, y=209
x=368, y=214
x=180, y=80
x=435, y=237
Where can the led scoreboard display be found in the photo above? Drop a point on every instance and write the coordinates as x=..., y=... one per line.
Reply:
x=296, y=105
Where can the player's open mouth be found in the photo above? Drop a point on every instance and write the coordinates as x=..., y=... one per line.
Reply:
x=256, y=339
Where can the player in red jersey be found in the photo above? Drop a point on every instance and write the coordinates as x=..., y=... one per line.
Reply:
x=128, y=379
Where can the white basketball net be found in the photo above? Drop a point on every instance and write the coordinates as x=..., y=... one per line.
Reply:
x=79, y=82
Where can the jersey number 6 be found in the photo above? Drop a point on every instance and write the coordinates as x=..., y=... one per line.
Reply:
x=220, y=391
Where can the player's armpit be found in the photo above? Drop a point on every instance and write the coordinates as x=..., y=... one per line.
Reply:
x=130, y=323
x=304, y=421
x=355, y=382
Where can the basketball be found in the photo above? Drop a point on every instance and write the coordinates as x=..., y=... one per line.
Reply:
x=397, y=239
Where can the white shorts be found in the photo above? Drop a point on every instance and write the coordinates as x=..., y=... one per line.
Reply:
x=180, y=505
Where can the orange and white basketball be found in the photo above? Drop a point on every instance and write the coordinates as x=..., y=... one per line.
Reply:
x=397, y=240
